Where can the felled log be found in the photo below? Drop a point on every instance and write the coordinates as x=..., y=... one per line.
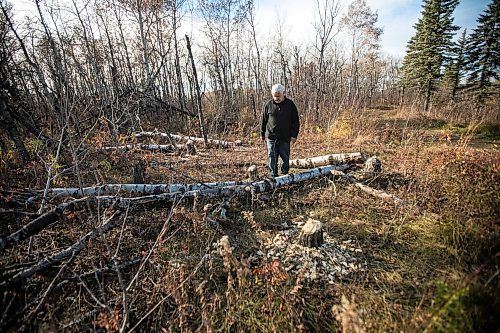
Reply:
x=311, y=234
x=109, y=189
x=331, y=159
x=221, y=188
x=370, y=190
x=142, y=146
x=210, y=142
x=69, y=252
x=217, y=191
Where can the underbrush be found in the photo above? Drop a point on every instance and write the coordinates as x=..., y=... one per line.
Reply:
x=428, y=265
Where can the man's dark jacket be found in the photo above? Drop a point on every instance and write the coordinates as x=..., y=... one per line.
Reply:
x=280, y=120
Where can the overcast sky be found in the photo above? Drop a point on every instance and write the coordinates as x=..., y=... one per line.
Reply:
x=396, y=17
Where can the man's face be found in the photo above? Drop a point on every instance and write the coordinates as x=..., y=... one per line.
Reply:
x=278, y=97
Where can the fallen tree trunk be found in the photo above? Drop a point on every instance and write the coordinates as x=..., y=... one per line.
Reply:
x=200, y=186
x=206, y=189
x=69, y=252
x=331, y=159
x=218, y=189
x=76, y=192
x=210, y=142
x=370, y=190
x=142, y=146
x=39, y=223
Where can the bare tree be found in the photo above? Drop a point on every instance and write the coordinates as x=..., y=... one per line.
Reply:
x=359, y=22
x=325, y=23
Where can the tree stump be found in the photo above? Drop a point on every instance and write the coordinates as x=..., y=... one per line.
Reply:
x=373, y=167
x=191, y=148
x=311, y=234
x=139, y=172
x=253, y=173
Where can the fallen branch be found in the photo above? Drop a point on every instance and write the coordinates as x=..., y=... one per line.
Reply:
x=39, y=223
x=99, y=271
x=331, y=159
x=69, y=252
x=370, y=190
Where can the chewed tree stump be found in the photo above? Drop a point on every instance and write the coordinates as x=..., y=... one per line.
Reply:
x=253, y=173
x=372, y=167
x=311, y=234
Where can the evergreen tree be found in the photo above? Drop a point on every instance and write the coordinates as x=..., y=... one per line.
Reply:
x=483, y=54
x=429, y=48
x=455, y=68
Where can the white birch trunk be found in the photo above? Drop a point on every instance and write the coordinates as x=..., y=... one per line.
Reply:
x=314, y=162
x=211, y=142
x=142, y=146
x=257, y=187
x=276, y=182
x=108, y=189
x=201, y=186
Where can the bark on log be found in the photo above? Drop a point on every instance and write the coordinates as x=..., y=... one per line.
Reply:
x=142, y=146
x=367, y=189
x=108, y=189
x=200, y=186
x=311, y=234
x=210, y=142
x=331, y=159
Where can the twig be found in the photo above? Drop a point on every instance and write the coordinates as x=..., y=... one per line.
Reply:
x=370, y=190
x=49, y=170
x=157, y=241
x=49, y=289
x=170, y=294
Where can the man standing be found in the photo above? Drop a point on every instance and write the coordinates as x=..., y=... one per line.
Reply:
x=280, y=126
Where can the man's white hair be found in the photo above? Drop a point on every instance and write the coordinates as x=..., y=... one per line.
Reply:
x=277, y=88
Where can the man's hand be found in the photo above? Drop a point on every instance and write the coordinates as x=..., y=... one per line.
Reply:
x=293, y=140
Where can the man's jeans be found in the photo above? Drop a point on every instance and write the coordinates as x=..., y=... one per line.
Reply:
x=277, y=148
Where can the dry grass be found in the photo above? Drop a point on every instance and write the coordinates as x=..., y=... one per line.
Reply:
x=432, y=265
